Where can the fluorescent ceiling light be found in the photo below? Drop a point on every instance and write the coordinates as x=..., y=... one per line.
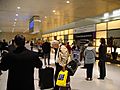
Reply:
x=67, y=1
x=16, y=14
x=116, y=12
x=106, y=15
x=54, y=11
x=15, y=19
x=37, y=20
x=18, y=8
x=13, y=30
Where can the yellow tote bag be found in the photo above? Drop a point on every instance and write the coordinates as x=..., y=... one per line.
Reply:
x=62, y=78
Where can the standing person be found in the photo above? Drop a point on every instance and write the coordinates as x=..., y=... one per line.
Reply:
x=20, y=65
x=31, y=45
x=102, y=58
x=4, y=45
x=89, y=55
x=46, y=51
x=12, y=47
x=55, y=45
x=61, y=61
x=68, y=47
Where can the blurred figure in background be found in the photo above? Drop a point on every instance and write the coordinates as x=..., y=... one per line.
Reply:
x=68, y=47
x=4, y=45
x=31, y=45
x=12, y=47
x=46, y=51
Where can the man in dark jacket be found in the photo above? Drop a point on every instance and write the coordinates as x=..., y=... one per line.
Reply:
x=20, y=65
x=102, y=58
x=46, y=51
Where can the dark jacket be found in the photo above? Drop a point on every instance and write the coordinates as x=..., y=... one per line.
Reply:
x=102, y=52
x=46, y=47
x=20, y=65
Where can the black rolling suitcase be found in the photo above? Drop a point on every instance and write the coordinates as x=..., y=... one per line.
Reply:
x=46, y=76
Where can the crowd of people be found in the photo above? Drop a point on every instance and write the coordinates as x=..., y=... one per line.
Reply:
x=20, y=62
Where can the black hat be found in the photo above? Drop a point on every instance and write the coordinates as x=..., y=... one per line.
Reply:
x=20, y=40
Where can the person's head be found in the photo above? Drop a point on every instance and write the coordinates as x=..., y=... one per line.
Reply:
x=102, y=40
x=3, y=40
x=67, y=43
x=20, y=40
x=90, y=44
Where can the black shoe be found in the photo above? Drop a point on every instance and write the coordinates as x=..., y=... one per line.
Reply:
x=0, y=73
x=91, y=79
x=101, y=78
x=87, y=79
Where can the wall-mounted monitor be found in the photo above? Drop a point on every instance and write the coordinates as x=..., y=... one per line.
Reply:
x=31, y=25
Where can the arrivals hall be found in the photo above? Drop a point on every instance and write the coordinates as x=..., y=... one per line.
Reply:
x=48, y=30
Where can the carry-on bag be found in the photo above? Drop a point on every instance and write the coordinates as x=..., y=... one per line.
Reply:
x=72, y=67
x=63, y=80
x=46, y=76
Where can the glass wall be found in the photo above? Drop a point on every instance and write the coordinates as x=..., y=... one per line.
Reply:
x=107, y=30
x=64, y=35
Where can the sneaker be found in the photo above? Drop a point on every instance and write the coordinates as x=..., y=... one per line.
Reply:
x=86, y=79
x=101, y=78
x=0, y=73
x=91, y=79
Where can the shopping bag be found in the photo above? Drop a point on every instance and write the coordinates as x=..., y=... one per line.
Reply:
x=62, y=78
x=72, y=67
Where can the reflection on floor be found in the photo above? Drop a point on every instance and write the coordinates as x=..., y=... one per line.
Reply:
x=78, y=82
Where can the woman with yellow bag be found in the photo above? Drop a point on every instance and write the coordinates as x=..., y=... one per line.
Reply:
x=61, y=74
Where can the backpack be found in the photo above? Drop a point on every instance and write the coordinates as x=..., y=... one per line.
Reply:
x=89, y=54
x=76, y=54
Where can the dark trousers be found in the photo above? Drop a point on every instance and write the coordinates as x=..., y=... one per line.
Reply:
x=58, y=68
x=56, y=49
x=47, y=56
x=102, y=69
x=89, y=70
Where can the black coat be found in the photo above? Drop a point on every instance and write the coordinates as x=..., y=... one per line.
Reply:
x=102, y=52
x=20, y=65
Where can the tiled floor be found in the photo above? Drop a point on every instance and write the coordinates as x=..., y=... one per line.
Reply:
x=78, y=82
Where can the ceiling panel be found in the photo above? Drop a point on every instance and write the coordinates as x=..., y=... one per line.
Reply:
x=65, y=13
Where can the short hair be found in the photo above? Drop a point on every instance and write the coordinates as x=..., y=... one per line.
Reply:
x=90, y=44
x=102, y=41
x=19, y=40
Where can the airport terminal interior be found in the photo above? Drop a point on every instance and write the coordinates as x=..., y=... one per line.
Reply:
x=70, y=21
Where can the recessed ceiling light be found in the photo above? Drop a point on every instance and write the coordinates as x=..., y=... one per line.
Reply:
x=67, y=1
x=18, y=8
x=16, y=14
x=15, y=19
x=13, y=29
x=54, y=11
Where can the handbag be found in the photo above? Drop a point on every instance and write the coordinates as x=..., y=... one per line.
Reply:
x=72, y=67
x=62, y=78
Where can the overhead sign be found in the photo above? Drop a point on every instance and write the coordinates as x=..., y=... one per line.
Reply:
x=88, y=28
